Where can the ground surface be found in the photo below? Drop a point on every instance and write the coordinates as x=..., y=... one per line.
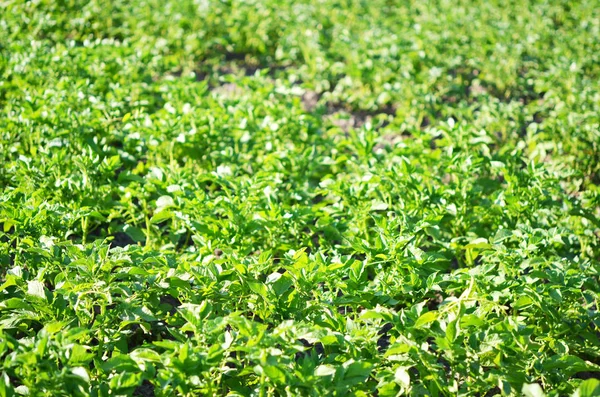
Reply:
x=299, y=197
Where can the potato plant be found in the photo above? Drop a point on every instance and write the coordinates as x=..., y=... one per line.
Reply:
x=299, y=198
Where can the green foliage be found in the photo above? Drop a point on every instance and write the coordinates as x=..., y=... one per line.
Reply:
x=299, y=198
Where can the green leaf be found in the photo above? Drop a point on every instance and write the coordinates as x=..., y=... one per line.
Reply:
x=402, y=377
x=17, y=303
x=282, y=285
x=452, y=330
x=135, y=233
x=356, y=372
x=426, y=319
x=142, y=355
x=79, y=355
x=501, y=235
x=274, y=373
x=258, y=288
x=8, y=223
x=161, y=216
x=36, y=288
x=522, y=302
x=532, y=390
x=359, y=368
x=556, y=294
x=378, y=206
x=398, y=348
x=120, y=363
x=6, y=389
x=471, y=320
x=325, y=370
x=569, y=364
x=126, y=380
x=480, y=243
x=81, y=373
x=164, y=202
x=588, y=388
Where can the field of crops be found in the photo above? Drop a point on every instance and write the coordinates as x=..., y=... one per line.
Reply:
x=299, y=198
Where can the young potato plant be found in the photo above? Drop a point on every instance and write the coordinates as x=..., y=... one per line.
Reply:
x=299, y=198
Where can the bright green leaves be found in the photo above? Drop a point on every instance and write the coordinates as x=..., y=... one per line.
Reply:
x=356, y=372
x=346, y=375
x=452, y=330
x=163, y=209
x=275, y=374
x=299, y=198
x=280, y=283
x=259, y=288
x=426, y=319
x=473, y=249
x=588, y=388
x=325, y=370
x=196, y=314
